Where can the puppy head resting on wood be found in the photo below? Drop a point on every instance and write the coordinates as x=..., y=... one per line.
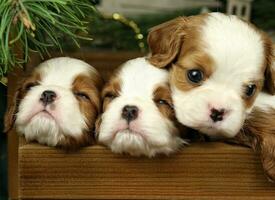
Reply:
x=138, y=116
x=57, y=104
x=218, y=64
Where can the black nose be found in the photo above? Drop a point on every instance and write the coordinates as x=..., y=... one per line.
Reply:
x=217, y=115
x=129, y=113
x=47, y=97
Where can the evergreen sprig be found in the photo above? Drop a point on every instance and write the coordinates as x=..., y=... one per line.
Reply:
x=37, y=25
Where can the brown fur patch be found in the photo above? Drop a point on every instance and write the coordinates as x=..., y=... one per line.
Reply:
x=269, y=65
x=112, y=88
x=248, y=101
x=21, y=92
x=164, y=93
x=167, y=40
x=72, y=144
x=90, y=86
x=258, y=133
x=191, y=60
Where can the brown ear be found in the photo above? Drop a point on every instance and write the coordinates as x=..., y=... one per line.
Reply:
x=269, y=83
x=258, y=133
x=267, y=153
x=264, y=144
x=10, y=115
x=165, y=41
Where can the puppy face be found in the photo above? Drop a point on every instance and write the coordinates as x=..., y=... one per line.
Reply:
x=58, y=104
x=218, y=64
x=138, y=116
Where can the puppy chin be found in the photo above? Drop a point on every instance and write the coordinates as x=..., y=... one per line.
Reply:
x=136, y=144
x=41, y=129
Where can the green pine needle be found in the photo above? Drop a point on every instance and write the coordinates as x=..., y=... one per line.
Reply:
x=37, y=25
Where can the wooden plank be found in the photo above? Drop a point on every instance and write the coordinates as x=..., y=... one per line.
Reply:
x=204, y=171
x=14, y=79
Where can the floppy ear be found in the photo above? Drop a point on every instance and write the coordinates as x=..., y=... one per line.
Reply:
x=267, y=153
x=259, y=134
x=264, y=144
x=10, y=114
x=165, y=41
x=269, y=83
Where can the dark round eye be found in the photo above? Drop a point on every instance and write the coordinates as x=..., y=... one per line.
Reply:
x=195, y=75
x=82, y=95
x=30, y=85
x=250, y=90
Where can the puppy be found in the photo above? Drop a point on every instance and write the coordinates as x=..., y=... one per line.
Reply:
x=138, y=116
x=57, y=104
x=218, y=64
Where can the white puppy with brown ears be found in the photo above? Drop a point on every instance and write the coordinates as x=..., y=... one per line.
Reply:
x=218, y=65
x=57, y=104
x=138, y=116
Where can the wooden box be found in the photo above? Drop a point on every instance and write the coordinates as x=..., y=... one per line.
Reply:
x=199, y=171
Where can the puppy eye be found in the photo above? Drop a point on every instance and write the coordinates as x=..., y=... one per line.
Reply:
x=110, y=96
x=82, y=95
x=195, y=75
x=30, y=85
x=163, y=102
x=250, y=90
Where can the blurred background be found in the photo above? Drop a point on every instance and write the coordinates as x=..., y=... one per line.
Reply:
x=122, y=27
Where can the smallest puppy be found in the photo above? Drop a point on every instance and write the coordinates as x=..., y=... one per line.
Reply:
x=138, y=116
x=58, y=104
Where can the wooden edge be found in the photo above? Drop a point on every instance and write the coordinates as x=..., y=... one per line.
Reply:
x=199, y=171
x=13, y=165
x=13, y=79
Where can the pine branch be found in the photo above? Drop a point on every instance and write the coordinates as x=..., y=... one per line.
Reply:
x=37, y=25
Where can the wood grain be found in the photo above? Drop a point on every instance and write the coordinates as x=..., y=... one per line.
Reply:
x=12, y=137
x=200, y=171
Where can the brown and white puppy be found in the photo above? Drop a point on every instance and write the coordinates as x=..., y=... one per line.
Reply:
x=138, y=116
x=57, y=104
x=218, y=64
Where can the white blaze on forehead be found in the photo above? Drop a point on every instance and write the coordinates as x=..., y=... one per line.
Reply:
x=151, y=133
x=62, y=71
x=139, y=78
x=236, y=48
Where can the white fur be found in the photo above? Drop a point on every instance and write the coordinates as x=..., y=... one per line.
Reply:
x=65, y=118
x=151, y=133
x=265, y=101
x=238, y=54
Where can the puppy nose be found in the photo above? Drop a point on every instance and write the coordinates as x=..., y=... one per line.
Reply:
x=217, y=115
x=48, y=97
x=129, y=113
